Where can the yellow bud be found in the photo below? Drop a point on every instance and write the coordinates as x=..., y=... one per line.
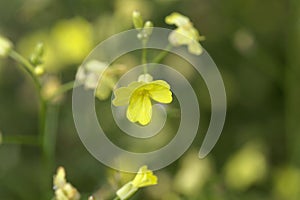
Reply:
x=5, y=47
x=137, y=20
x=39, y=71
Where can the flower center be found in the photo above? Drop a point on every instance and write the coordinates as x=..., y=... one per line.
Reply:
x=143, y=92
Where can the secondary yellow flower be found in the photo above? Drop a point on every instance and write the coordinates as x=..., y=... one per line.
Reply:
x=144, y=178
x=138, y=95
x=5, y=46
x=63, y=189
x=89, y=74
x=185, y=34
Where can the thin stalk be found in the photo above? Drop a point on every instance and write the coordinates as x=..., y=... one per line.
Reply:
x=29, y=68
x=144, y=56
x=116, y=198
x=162, y=54
x=292, y=77
x=47, y=146
x=21, y=139
x=63, y=88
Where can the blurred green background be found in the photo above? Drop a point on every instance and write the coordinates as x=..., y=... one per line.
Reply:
x=254, y=43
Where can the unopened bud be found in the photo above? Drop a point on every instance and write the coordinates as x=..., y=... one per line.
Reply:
x=137, y=20
x=36, y=56
x=148, y=28
x=39, y=70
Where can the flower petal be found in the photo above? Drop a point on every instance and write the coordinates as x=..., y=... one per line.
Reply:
x=144, y=177
x=123, y=94
x=177, y=19
x=160, y=91
x=195, y=48
x=105, y=87
x=139, y=109
x=176, y=38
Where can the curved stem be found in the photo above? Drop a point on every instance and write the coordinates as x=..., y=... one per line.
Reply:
x=162, y=54
x=29, y=68
x=63, y=88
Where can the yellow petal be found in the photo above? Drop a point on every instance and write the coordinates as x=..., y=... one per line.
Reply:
x=59, y=179
x=160, y=91
x=176, y=38
x=195, y=48
x=122, y=94
x=177, y=19
x=139, y=109
x=144, y=178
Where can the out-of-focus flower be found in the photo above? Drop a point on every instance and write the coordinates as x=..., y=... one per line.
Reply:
x=138, y=95
x=89, y=74
x=143, y=178
x=185, y=34
x=72, y=39
x=68, y=43
x=287, y=183
x=246, y=168
x=50, y=86
x=5, y=46
x=193, y=174
x=63, y=189
x=243, y=41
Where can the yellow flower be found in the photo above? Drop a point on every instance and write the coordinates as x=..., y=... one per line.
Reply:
x=143, y=178
x=138, y=95
x=5, y=46
x=63, y=189
x=185, y=34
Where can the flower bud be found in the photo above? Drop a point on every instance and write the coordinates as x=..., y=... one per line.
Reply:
x=39, y=70
x=148, y=28
x=137, y=20
x=5, y=47
x=36, y=56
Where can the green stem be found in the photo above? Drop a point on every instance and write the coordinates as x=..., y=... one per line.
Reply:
x=29, y=68
x=292, y=77
x=116, y=198
x=144, y=56
x=21, y=139
x=162, y=54
x=63, y=88
x=47, y=146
